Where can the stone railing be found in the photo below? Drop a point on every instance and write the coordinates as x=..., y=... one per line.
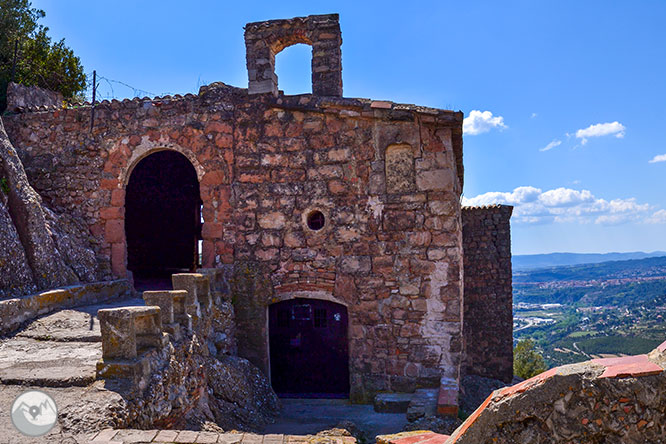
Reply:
x=135, y=339
x=16, y=311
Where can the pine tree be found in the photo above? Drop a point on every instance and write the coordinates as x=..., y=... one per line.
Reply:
x=39, y=61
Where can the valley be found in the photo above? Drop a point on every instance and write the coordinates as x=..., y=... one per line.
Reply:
x=580, y=312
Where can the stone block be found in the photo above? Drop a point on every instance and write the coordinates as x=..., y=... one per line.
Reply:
x=447, y=398
x=135, y=436
x=164, y=300
x=166, y=436
x=230, y=438
x=148, y=327
x=392, y=402
x=422, y=404
x=132, y=370
x=207, y=437
x=118, y=333
x=197, y=286
x=180, y=312
x=114, y=231
x=433, y=180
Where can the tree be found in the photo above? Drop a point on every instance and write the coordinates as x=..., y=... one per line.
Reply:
x=527, y=361
x=40, y=62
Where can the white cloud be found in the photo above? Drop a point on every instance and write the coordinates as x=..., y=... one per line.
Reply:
x=551, y=145
x=658, y=158
x=601, y=129
x=533, y=115
x=533, y=205
x=479, y=122
x=658, y=217
x=565, y=197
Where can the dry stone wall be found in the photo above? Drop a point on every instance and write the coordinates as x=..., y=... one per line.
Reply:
x=43, y=249
x=488, y=328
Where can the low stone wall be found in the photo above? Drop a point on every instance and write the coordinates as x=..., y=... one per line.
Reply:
x=172, y=360
x=14, y=312
x=488, y=298
x=611, y=400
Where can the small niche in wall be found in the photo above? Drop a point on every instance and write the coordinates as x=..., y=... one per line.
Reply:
x=316, y=220
x=399, y=168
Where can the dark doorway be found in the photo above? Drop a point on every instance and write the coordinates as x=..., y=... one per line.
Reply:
x=309, y=349
x=162, y=219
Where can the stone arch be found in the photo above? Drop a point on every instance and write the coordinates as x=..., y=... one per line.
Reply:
x=143, y=151
x=162, y=217
x=321, y=294
x=264, y=40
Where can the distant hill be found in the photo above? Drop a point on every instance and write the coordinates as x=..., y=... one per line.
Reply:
x=530, y=261
x=618, y=283
x=634, y=268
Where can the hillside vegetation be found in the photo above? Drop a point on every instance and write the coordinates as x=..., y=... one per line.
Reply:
x=579, y=312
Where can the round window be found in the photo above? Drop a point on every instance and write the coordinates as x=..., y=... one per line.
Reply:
x=316, y=220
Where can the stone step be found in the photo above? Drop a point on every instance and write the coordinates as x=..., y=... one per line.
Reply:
x=26, y=361
x=392, y=402
x=422, y=404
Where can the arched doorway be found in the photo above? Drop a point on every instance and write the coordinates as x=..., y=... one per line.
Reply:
x=162, y=219
x=309, y=351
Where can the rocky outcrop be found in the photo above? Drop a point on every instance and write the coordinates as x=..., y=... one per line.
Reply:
x=21, y=97
x=15, y=275
x=612, y=400
x=241, y=394
x=53, y=249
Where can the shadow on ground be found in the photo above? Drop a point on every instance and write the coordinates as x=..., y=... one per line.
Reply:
x=309, y=416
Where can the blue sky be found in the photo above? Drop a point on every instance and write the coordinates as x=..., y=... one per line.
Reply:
x=565, y=101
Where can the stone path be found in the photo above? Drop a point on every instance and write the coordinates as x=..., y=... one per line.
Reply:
x=57, y=350
x=56, y=354
x=309, y=416
x=191, y=437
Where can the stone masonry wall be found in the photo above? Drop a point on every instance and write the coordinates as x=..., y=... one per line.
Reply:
x=392, y=256
x=488, y=328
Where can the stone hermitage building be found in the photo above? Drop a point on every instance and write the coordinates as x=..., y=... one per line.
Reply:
x=337, y=221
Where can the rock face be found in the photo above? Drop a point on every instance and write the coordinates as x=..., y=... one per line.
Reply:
x=15, y=275
x=53, y=249
x=24, y=97
x=613, y=400
x=241, y=394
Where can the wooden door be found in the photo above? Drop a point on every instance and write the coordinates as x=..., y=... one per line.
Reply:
x=309, y=349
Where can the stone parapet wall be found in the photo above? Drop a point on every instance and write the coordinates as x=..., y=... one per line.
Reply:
x=611, y=400
x=166, y=360
x=391, y=246
x=16, y=311
x=488, y=327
